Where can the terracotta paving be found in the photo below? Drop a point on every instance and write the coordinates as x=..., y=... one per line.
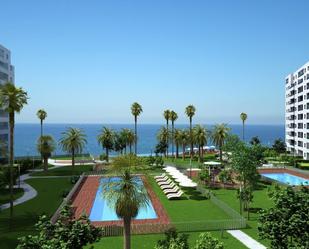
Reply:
x=83, y=200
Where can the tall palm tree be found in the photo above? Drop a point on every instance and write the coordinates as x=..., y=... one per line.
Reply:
x=167, y=114
x=183, y=140
x=200, y=137
x=190, y=111
x=126, y=196
x=42, y=115
x=73, y=141
x=106, y=139
x=46, y=146
x=219, y=135
x=131, y=138
x=177, y=140
x=243, y=117
x=136, y=110
x=173, y=118
x=12, y=100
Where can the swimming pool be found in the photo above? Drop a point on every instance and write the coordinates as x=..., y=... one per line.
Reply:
x=102, y=210
x=287, y=178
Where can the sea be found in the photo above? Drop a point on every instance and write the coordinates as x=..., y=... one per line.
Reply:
x=26, y=135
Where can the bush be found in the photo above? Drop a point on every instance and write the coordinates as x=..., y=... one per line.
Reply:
x=74, y=179
x=159, y=161
x=173, y=240
x=5, y=176
x=206, y=241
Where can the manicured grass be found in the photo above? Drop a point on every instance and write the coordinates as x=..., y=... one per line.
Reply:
x=5, y=195
x=194, y=207
x=26, y=215
x=65, y=171
x=149, y=241
x=260, y=201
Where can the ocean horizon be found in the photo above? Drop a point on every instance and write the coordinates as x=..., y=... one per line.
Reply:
x=26, y=135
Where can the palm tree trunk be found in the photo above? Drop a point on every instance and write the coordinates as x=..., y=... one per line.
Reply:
x=127, y=232
x=172, y=139
x=45, y=164
x=199, y=153
x=130, y=148
x=243, y=130
x=220, y=148
x=135, y=144
x=191, y=139
x=202, y=153
x=12, y=123
x=41, y=137
x=106, y=149
x=177, y=150
x=166, y=153
x=183, y=151
x=73, y=159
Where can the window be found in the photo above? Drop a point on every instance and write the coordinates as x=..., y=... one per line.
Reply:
x=4, y=65
x=4, y=76
x=300, y=107
x=300, y=98
x=300, y=116
x=300, y=126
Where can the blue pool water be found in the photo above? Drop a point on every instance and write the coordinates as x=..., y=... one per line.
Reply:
x=102, y=210
x=287, y=178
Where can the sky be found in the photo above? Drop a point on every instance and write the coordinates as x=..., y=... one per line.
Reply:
x=88, y=61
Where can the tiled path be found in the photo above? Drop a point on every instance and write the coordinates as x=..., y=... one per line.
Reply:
x=246, y=239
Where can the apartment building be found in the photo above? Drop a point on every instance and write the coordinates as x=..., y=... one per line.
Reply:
x=297, y=112
x=6, y=74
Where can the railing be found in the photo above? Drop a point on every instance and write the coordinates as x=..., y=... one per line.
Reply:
x=67, y=199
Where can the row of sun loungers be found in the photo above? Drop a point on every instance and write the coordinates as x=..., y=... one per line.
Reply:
x=169, y=188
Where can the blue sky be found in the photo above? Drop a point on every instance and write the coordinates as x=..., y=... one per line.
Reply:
x=87, y=61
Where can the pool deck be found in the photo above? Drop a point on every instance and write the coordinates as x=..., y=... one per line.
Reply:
x=83, y=199
x=282, y=170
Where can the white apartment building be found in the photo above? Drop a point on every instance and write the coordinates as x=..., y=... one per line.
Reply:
x=6, y=74
x=297, y=112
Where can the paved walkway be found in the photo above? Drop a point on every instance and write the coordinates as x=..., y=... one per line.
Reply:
x=62, y=163
x=246, y=239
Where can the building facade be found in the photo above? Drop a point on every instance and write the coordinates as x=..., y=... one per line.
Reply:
x=297, y=112
x=6, y=74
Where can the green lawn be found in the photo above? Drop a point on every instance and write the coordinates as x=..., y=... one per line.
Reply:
x=260, y=201
x=5, y=195
x=65, y=171
x=26, y=215
x=149, y=241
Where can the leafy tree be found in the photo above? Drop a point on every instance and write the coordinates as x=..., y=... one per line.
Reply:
x=173, y=118
x=243, y=117
x=66, y=233
x=245, y=196
x=232, y=142
x=204, y=176
x=279, y=146
x=173, y=240
x=255, y=140
x=220, y=133
x=136, y=110
x=161, y=148
x=106, y=140
x=126, y=196
x=206, y=241
x=244, y=161
x=224, y=176
x=200, y=137
x=286, y=223
x=73, y=141
x=12, y=100
x=46, y=146
x=190, y=112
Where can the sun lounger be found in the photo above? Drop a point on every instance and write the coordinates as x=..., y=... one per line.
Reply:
x=162, y=179
x=173, y=190
x=160, y=176
x=169, y=181
x=169, y=186
x=174, y=195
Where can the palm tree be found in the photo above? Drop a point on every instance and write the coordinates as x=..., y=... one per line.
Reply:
x=136, y=110
x=219, y=135
x=126, y=196
x=183, y=140
x=106, y=139
x=200, y=137
x=41, y=114
x=167, y=114
x=45, y=146
x=73, y=141
x=12, y=100
x=243, y=117
x=173, y=118
x=190, y=111
x=131, y=139
x=119, y=142
x=162, y=135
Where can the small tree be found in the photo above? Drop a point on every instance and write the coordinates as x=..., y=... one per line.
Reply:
x=279, y=146
x=46, y=145
x=206, y=241
x=224, y=176
x=204, y=176
x=66, y=233
x=286, y=224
